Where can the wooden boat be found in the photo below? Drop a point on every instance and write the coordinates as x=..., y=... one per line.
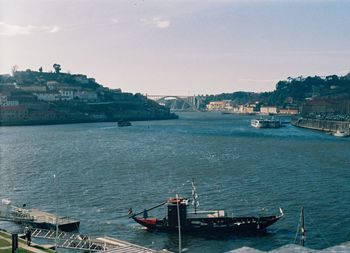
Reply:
x=201, y=221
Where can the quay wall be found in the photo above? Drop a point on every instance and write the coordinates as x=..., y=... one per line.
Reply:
x=320, y=124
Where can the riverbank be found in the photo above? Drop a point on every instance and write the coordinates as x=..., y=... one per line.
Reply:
x=330, y=126
x=86, y=120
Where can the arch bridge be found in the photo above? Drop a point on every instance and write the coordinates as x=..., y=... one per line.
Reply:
x=177, y=102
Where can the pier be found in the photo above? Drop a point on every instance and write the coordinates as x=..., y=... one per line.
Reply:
x=83, y=242
x=36, y=218
x=330, y=126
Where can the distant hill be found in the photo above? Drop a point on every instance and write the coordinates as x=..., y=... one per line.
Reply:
x=36, y=97
x=292, y=92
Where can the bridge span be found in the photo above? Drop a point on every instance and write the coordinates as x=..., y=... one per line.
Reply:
x=177, y=102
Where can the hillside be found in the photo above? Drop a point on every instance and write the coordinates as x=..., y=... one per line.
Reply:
x=36, y=97
x=292, y=92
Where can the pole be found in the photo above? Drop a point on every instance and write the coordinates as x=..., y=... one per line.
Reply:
x=14, y=243
x=302, y=227
x=178, y=221
x=56, y=237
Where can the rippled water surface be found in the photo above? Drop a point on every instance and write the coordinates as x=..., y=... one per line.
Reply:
x=102, y=170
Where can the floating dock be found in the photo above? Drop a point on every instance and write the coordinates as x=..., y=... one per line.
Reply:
x=36, y=218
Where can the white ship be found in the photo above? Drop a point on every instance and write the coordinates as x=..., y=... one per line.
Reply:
x=266, y=123
x=341, y=133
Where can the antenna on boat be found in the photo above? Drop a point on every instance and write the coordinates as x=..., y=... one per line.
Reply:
x=195, y=202
x=178, y=220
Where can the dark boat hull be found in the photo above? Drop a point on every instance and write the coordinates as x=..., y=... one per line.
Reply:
x=239, y=225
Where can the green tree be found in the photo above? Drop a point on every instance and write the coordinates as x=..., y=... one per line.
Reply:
x=57, y=68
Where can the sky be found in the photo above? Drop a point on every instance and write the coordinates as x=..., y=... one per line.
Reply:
x=178, y=47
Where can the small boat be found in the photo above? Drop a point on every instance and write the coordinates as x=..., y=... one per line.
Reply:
x=341, y=133
x=201, y=221
x=123, y=123
x=266, y=123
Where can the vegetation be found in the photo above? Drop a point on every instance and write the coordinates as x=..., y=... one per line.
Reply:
x=293, y=91
x=4, y=243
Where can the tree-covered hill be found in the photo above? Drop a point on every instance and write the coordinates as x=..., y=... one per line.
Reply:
x=293, y=91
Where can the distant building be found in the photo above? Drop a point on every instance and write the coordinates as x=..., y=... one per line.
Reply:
x=48, y=96
x=318, y=106
x=288, y=111
x=34, y=88
x=66, y=94
x=5, y=102
x=225, y=105
x=246, y=109
x=86, y=95
x=13, y=113
x=52, y=85
x=268, y=110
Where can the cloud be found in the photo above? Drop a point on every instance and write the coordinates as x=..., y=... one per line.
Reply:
x=115, y=20
x=156, y=22
x=13, y=30
x=54, y=29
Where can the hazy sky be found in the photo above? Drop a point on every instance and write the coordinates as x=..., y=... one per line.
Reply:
x=178, y=47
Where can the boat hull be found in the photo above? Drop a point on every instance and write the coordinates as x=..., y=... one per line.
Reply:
x=239, y=225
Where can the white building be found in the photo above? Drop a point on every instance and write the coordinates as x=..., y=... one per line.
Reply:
x=66, y=94
x=86, y=95
x=268, y=110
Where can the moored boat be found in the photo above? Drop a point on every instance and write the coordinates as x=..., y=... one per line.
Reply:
x=202, y=221
x=36, y=218
x=341, y=133
x=266, y=123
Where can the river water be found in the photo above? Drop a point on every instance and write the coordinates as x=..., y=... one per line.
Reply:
x=102, y=170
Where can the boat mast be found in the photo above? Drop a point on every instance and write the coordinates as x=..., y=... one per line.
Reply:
x=195, y=202
x=302, y=227
x=178, y=221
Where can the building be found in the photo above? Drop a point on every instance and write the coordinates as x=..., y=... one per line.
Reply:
x=86, y=95
x=268, y=110
x=52, y=85
x=66, y=94
x=48, y=96
x=33, y=88
x=318, y=106
x=288, y=111
x=13, y=113
x=225, y=105
x=5, y=102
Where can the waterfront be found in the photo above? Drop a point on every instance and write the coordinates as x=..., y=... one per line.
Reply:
x=103, y=170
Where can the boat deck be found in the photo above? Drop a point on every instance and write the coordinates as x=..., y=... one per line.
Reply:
x=37, y=218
